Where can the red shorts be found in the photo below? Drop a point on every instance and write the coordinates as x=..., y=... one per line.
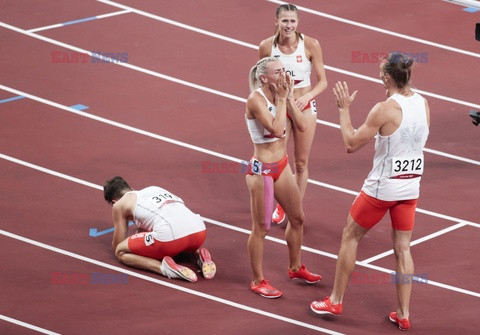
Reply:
x=270, y=169
x=144, y=244
x=311, y=104
x=367, y=211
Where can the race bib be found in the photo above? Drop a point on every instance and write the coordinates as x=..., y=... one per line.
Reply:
x=313, y=106
x=256, y=166
x=149, y=240
x=406, y=167
x=164, y=197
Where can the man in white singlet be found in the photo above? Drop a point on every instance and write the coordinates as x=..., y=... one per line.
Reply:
x=167, y=227
x=401, y=127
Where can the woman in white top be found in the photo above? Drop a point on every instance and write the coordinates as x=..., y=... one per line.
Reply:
x=401, y=127
x=268, y=172
x=300, y=54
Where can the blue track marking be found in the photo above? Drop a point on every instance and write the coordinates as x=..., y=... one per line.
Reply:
x=12, y=99
x=91, y=18
x=95, y=233
x=79, y=107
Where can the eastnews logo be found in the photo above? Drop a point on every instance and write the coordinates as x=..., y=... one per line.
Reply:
x=95, y=278
x=95, y=57
x=360, y=278
x=376, y=57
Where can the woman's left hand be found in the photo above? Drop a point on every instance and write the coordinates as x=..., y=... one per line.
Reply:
x=303, y=101
x=289, y=82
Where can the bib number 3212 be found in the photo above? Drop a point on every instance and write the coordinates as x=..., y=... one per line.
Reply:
x=407, y=167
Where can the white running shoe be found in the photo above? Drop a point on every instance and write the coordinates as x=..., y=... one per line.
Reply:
x=171, y=269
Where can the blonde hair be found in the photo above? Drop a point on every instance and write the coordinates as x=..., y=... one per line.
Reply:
x=258, y=69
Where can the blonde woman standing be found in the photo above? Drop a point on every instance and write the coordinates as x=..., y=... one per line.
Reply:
x=269, y=174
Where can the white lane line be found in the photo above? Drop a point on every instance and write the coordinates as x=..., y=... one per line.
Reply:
x=49, y=171
x=417, y=241
x=227, y=95
x=168, y=284
x=126, y=127
x=455, y=157
x=431, y=151
x=252, y=46
x=246, y=231
x=359, y=263
x=190, y=146
x=123, y=64
x=58, y=25
x=446, y=217
x=425, y=93
x=27, y=325
x=383, y=31
x=230, y=96
x=189, y=84
x=466, y=3
x=430, y=282
x=179, y=24
x=270, y=238
x=332, y=187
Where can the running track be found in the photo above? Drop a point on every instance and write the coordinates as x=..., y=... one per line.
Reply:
x=177, y=106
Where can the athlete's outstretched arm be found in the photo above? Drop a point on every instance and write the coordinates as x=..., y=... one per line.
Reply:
x=355, y=139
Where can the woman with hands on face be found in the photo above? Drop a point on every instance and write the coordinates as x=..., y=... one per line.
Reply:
x=269, y=174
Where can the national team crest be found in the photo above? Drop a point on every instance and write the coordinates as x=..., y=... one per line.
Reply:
x=299, y=58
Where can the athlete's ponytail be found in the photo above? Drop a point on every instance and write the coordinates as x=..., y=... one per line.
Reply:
x=258, y=69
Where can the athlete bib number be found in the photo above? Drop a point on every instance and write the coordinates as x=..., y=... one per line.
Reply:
x=313, y=106
x=256, y=166
x=149, y=239
x=407, y=167
x=165, y=197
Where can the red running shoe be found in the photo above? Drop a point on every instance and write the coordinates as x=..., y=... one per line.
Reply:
x=265, y=289
x=403, y=324
x=171, y=269
x=206, y=264
x=326, y=307
x=278, y=215
x=304, y=274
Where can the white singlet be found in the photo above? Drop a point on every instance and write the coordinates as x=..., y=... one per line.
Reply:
x=398, y=162
x=257, y=131
x=164, y=214
x=296, y=64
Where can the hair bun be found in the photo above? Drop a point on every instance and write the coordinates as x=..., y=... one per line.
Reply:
x=398, y=66
x=407, y=62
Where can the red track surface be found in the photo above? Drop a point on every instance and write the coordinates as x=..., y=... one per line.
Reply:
x=50, y=215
